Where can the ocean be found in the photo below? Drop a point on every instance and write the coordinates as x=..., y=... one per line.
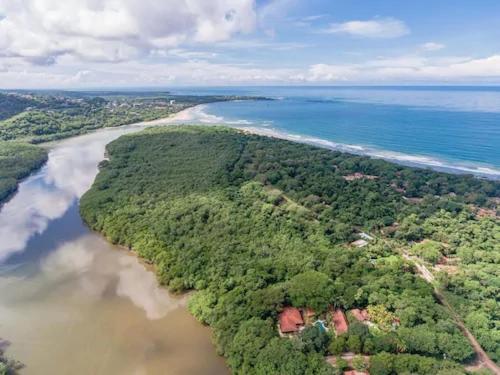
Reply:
x=455, y=129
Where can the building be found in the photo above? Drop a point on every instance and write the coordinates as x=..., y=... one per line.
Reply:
x=290, y=320
x=339, y=322
x=365, y=236
x=359, y=176
x=360, y=315
x=359, y=243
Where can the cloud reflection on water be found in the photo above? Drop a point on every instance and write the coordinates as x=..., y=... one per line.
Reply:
x=90, y=270
x=48, y=194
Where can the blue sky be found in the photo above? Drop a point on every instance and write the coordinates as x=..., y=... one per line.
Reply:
x=90, y=43
x=462, y=26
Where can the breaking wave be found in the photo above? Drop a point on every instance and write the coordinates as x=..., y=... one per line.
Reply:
x=198, y=115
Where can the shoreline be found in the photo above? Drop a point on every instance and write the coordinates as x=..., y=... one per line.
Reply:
x=49, y=145
x=408, y=160
x=196, y=115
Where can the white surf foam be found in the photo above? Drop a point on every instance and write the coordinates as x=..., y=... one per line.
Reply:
x=401, y=158
x=199, y=115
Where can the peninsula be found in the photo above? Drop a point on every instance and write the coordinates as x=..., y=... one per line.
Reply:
x=259, y=226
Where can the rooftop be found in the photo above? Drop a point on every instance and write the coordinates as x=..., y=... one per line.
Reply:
x=290, y=320
x=340, y=322
x=360, y=315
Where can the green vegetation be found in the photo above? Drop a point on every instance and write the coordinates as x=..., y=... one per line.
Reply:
x=8, y=366
x=254, y=224
x=430, y=251
x=390, y=364
x=47, y=116
x=470, y=249
x=43, y=117
x=17, y=160
x=11, y=105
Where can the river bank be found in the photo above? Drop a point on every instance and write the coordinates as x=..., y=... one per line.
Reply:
x=63, y=287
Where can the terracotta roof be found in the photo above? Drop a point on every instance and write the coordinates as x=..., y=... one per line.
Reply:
x=361, y=315
x=354, y=372
x=340, y=322
x=290, y=320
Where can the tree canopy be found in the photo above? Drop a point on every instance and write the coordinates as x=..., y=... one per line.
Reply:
x=254, y=224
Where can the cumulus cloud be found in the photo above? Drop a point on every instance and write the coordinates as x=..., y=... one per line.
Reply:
x=409, y=68
x=325, y=72
x=431, y=46
x=390, y=69
x=376, y=28
x=115, y=30
x=191, y=55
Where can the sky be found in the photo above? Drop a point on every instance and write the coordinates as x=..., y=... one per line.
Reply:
x=161, y=43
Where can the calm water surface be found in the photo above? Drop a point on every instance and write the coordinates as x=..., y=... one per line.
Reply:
x=70, y=303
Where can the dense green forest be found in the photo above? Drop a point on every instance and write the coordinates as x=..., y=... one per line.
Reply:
x=11, y=105
x=254, y=224
x=41, y=117
x=46, y=116
x=17, y=160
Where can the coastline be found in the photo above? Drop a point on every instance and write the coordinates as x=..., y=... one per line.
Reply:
x=161, y=142
x=197, y=115
x=421, y=161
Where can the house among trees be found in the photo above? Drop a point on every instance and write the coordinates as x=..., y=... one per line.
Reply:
x=359, y=176
x=290, y=321
x=359, y=243
x=360, y=315
x=365, y=236
x=339, y=322
x=363, y=240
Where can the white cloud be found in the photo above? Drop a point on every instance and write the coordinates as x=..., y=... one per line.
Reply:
x=115, y=30
x=325, y=72
x=308, y=20
x=397, y=69
x=261, y=44
x=431, y=46
x=188, y=54
x=410, y=68
x=314, y=17
x=376, y=28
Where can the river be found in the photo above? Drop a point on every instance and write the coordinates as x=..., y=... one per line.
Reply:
x=71, y=303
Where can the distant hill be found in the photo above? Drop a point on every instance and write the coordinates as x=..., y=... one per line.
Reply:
x=11, y=105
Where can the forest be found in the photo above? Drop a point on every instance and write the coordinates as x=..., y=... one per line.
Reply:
x=34, y=117
x=47, y=116
x=17, y=160
x=254, y=224
x=465, y=251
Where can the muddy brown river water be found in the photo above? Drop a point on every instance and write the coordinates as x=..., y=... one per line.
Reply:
x=71, y=303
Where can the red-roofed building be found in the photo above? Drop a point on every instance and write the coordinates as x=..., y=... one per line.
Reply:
x=354, y=372
x=360, y=315
x=290, y=320
x=339, y=322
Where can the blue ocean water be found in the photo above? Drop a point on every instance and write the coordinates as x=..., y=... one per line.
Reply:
x=446, y=128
